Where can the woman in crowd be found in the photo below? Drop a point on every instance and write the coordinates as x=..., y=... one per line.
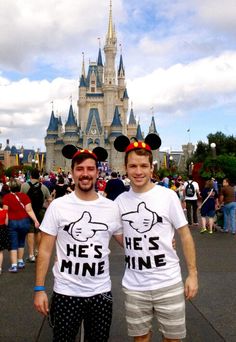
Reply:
x=208, y=206
x=4, y=237
x=19, y=213
x=61, y=188
x=180, y=191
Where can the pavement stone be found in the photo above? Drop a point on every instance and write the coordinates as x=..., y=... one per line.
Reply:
x=211, y=316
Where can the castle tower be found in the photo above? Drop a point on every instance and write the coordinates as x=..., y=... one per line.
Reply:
x=110, y=86
x=50, y=140
x=102, y=109
x=132, y=124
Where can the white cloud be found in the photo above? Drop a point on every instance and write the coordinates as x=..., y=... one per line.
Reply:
x=49, y=30
x=218, y=14
x=208, y=81
x=183, y=61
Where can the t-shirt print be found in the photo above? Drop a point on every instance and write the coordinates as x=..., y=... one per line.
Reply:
x=143, y=219
x=84, y=228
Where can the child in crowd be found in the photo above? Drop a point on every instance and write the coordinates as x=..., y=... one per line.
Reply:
x=4, y=238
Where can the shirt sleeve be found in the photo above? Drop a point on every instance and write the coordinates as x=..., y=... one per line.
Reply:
x=176, y=213
x=117, y=218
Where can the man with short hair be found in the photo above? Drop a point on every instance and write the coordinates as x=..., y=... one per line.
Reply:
x=42, y=195
x=81, y=225
x=227, y=199
x=114, y=187
x=191, y=198
x=152, y=280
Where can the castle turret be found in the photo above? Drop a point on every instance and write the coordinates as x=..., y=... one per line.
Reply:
x=132, y=125
x=71, y=129
x=139, y=135
x=116, y=160
x=121, y=78
x=100, y=68
x=152, y=127
x=82, y=95
x=50, y=140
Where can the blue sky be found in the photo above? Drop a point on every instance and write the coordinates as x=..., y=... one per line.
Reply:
x=179, y=57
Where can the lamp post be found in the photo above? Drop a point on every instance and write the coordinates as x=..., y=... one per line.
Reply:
x=154, y=168
x=33, y=162
x=21, y=156
x=190, y=171
x=213, y=149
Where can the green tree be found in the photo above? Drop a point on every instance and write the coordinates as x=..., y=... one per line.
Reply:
x=202, y=151
x=220, y=164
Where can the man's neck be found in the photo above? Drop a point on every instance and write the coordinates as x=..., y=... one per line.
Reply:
x=86, y=196
x=146, y=188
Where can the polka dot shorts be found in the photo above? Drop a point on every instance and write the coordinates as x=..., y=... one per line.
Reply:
x=67, y=313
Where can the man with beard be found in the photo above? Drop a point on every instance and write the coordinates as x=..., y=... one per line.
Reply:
x=81, y=225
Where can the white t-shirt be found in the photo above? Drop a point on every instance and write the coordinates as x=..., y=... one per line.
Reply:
x=149, y=221
x=83, y=230
x=196, y=187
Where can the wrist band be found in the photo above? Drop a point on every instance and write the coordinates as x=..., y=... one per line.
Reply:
x=39, y=288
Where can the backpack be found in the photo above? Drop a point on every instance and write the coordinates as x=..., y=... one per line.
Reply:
x=36, y=195
x=190, y=190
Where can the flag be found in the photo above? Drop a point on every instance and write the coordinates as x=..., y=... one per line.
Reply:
x=164, y=163
x=42, y=161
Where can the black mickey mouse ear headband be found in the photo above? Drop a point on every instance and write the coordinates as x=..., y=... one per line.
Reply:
x=71, y=152
x=151, y=142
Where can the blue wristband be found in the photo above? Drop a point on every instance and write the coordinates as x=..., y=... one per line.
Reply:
x=39, y=288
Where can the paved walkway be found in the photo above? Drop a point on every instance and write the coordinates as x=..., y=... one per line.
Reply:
x=211, y=317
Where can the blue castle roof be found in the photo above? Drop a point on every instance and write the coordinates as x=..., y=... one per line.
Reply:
x=71, y=118
x=121, y=69
x=125, y=96
x=132, y=120
x=94, y=115
x=53, y=124
x=139, y=135
x=99, y=62
x=116, y=119
x=82, y=81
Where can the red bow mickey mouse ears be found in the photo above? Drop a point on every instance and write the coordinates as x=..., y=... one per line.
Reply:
x=71, y=152
x=151, y=142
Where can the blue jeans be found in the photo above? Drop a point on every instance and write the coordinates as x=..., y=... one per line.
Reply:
x=229, y=213
x=18, y=230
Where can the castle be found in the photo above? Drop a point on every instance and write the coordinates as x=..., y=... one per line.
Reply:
x=103, y=111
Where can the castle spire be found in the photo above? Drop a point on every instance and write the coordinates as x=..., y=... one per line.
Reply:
x=83, y=67
x=110, y=25
x=121, y=70
x=99, y=61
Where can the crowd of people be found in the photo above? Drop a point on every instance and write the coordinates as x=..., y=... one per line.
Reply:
x=80, y=211
x=214, y=203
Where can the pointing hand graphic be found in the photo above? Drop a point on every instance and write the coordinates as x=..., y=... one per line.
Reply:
x=143, y=219
x=84, y=228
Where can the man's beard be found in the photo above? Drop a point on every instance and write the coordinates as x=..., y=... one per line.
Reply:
x=85, y=188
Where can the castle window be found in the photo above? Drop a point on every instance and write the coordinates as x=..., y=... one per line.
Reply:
x=93, y=89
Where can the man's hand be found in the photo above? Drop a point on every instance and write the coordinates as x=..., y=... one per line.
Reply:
x=41, y=302
x=36, y=224
x=191, y=286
